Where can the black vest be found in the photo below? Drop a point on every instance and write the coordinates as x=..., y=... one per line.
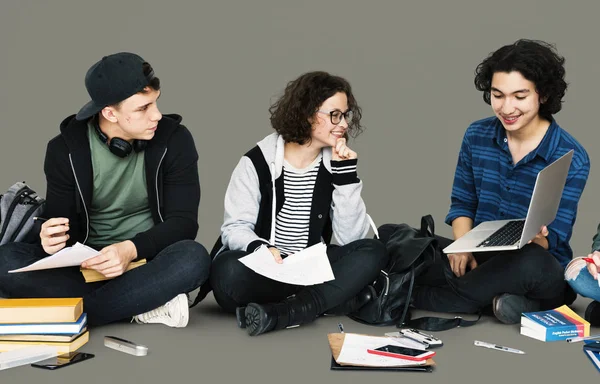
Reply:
x=320, y=221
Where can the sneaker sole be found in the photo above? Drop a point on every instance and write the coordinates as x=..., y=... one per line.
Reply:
x=240, y=315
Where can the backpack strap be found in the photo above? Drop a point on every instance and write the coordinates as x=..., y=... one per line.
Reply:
x=408, y=295
x=427, y=226
x=430, y=323
x=434, y=324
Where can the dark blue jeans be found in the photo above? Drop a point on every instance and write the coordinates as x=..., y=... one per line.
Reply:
x=530, y=271
x=354, y=266
x=179, y=268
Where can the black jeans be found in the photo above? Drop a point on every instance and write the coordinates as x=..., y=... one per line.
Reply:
x=354, y=266
x=179, y=268
x=531, y=271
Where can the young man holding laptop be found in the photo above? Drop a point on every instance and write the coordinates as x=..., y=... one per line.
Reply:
x=497, y=168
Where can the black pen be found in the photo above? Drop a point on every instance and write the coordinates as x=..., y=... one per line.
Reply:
x=42, y=219
x=341, y=327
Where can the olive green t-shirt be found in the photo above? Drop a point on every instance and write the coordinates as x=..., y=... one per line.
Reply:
x=120, y=206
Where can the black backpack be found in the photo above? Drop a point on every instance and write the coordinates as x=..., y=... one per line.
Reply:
x=411, y=252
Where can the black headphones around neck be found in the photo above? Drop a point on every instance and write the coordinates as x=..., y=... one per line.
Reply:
x=118, y=146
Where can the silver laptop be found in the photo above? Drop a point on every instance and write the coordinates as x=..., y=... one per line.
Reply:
x=505, y=235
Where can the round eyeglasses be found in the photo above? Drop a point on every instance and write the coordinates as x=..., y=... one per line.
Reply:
x=336, y=116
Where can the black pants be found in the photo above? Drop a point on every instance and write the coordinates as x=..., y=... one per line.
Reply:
x=531, y=272
x=354, y=266
x=179, y=268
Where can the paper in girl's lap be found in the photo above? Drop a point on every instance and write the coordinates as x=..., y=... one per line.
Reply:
x=307, y=267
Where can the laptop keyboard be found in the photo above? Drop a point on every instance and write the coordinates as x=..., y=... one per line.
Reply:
x=509, y=234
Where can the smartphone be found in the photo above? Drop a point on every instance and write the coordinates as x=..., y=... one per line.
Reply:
x=402, y=352
x=63, y=360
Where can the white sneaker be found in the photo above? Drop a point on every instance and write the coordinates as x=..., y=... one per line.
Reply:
x=191, y=296
x=174, y=313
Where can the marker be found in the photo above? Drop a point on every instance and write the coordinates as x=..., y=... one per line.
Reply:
x=478, y=343
x=341, y=327
x=582, y=338
x=591, y=261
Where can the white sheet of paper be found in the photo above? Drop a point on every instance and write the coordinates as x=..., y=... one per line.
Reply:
x=307, y=267
x=354, y=351
x=66, y=257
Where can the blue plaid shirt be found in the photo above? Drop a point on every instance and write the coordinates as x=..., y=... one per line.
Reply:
x=488, y=186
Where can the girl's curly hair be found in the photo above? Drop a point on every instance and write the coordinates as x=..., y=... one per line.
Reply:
x=292, y=112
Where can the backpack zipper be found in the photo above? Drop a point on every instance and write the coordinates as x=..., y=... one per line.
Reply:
x=387, y=283
x=11, y=208
x=28, y=214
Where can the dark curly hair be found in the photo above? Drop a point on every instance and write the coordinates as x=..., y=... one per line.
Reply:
x=302, y=98
x=538, y=62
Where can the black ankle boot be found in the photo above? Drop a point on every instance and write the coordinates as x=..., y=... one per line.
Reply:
x=354, y=303
x=261, y=318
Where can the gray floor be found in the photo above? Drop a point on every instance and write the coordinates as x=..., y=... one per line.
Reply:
x=212, y=349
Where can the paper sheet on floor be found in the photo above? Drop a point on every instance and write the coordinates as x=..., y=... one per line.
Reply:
x=307, y=267
x=66, y=257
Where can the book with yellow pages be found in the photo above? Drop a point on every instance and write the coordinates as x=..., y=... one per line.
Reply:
x=62, y=338
x=60, y=347
x=49, y=310
x=92, y=276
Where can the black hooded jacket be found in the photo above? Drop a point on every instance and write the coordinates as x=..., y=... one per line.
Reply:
x=171, y=166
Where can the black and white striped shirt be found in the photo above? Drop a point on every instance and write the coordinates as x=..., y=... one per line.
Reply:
x=293, y=220
x=292, y=224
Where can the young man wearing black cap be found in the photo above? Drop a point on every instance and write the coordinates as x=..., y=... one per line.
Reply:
x=123, y=179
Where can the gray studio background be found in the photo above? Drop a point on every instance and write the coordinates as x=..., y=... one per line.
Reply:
x=222, y=63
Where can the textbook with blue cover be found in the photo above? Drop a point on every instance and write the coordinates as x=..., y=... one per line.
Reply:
x=553, y=325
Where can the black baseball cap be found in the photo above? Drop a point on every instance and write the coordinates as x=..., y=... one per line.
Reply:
x=113, y=79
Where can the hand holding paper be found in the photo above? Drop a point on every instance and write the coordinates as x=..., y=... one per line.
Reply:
x=66, y=257
x=307, y=267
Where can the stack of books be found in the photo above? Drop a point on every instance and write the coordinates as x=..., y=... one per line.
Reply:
x=553, y=325
x=59, y=323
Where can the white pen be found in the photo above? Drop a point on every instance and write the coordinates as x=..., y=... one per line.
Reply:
x=582, y=338
x=497, y=347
